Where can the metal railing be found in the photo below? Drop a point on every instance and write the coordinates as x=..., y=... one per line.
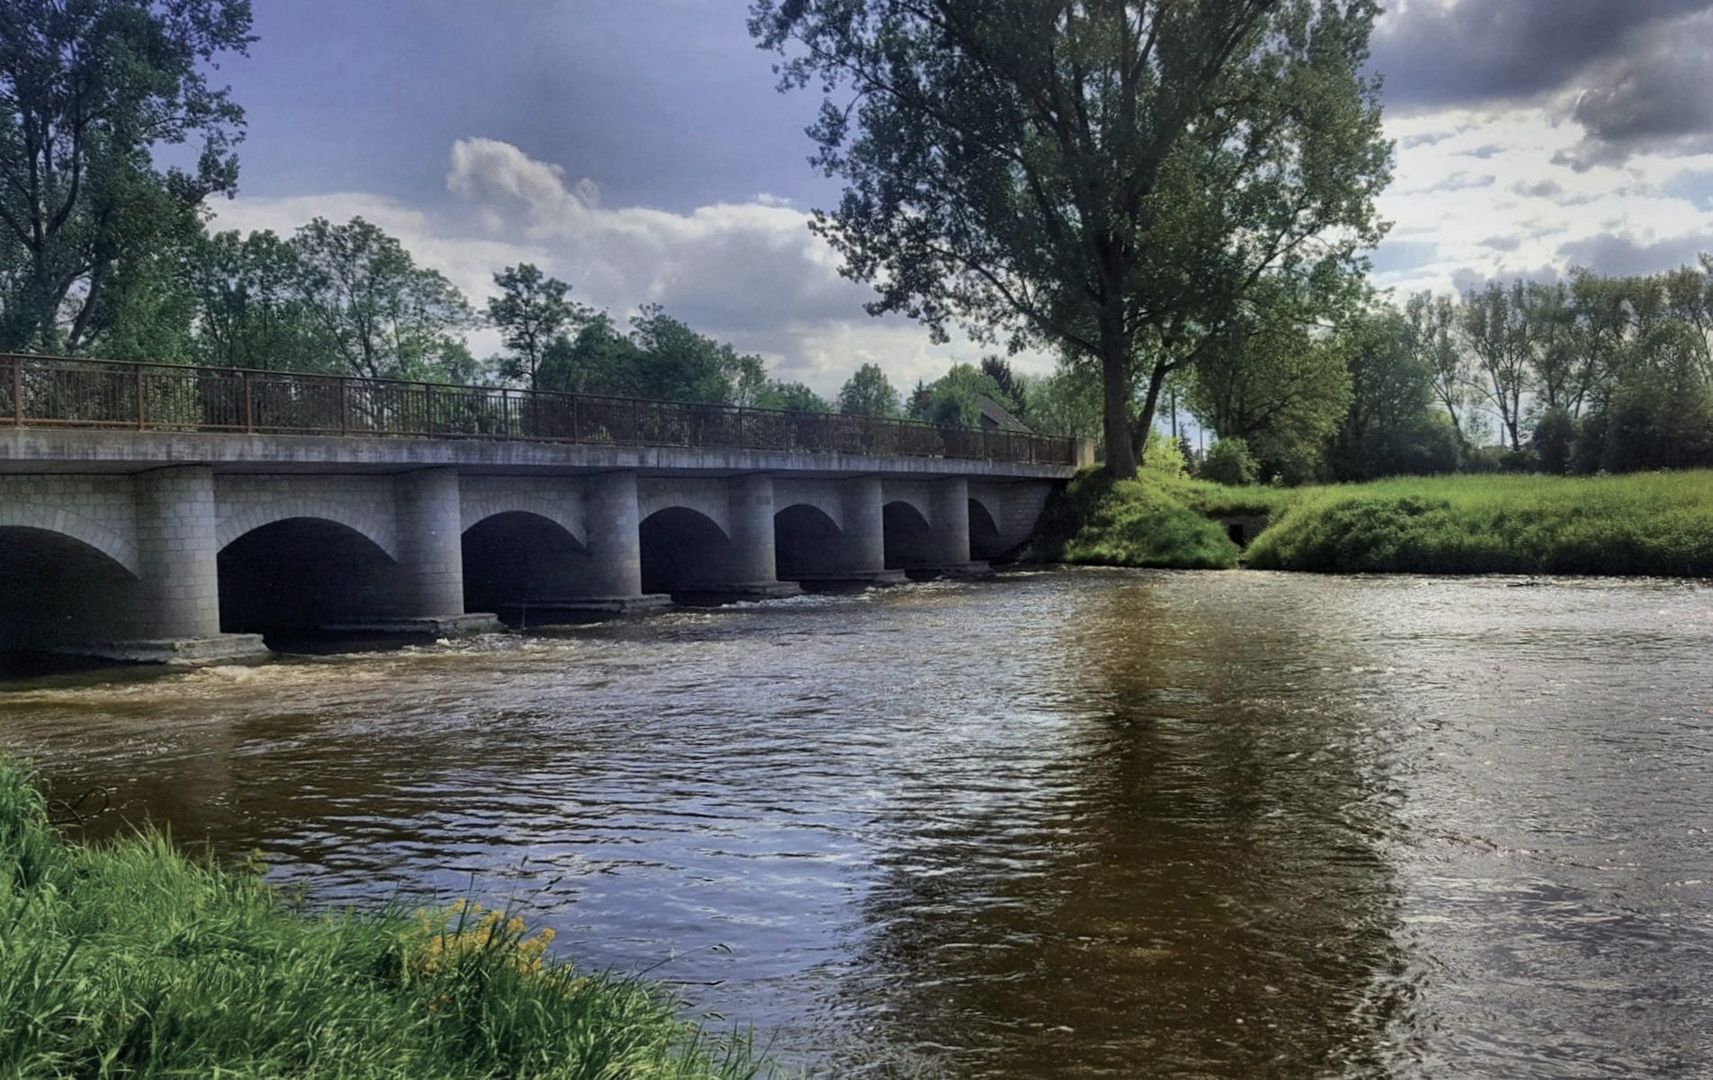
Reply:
x=46, y=391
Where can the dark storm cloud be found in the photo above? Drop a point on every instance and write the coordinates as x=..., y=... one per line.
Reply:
x=1620, y=253
x=1659, y=94
x=1482, y=50
x=1638, y=70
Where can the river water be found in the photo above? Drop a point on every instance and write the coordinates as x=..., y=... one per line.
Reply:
x=1063, y=824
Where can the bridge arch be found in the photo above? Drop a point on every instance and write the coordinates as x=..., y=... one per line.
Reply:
x=806, y=540
x=300, y=572
x=985, y=541
x=514, y=556
x=372, y=523
x=57, y=588
x=908, y=536
x=709, y=499
x=683, y=549
x=90, y=533
x=555, y=511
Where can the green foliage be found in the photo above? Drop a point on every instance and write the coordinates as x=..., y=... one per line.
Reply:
x=1555, y=432
x=792, y=396
x=379, y=312
x=1392, y=427
x=1269, y=379
x=533, y=314
x=1163, y=455
x=92, y=95
x=1067, y=402
x=251, y=310
x=1141, y=522
x=130, y=960
x=1645, y=524
x=868, y=392
x=1110, y=180
x=954, y=399
x=1653, y=421
x=1229, y=462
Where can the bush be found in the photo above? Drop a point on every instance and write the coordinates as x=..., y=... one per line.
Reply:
x=1143, y=522
x=1230, y=462
x=1555, y=434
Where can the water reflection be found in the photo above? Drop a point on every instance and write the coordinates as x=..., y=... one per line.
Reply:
x=1192, y=880
x=1061, y=825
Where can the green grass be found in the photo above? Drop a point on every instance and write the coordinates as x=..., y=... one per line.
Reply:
x=130, y=960
x=1149, y=521
x=1642, y=523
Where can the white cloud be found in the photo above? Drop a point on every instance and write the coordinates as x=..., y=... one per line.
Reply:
x=750, y=273
x=1535, y=218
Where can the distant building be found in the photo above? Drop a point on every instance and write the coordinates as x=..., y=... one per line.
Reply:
x=994, y=416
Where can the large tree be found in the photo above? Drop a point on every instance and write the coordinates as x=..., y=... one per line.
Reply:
x=92, y=92
x=380, y=313
x=1277, y=380
x=250, y=308
x=1108, y=177
x=532, y=312
x=868, y=392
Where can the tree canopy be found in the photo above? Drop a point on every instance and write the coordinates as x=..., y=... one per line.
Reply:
x=1108, y=179
x=868, y=392
x=91, y=91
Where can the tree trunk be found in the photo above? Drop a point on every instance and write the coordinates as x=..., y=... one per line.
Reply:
x=1150, y=406
x=1115, y=386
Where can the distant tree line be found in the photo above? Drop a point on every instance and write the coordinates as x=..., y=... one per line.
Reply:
x=1589, y=374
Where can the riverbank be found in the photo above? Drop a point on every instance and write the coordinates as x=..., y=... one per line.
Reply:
x=130, y=959
x=1637, y=524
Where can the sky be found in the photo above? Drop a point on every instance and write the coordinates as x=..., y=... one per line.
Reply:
x=639, y=150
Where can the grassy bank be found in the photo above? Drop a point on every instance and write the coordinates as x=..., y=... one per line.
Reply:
x=1650, y=523
x=130, y=960
x=1643, y=523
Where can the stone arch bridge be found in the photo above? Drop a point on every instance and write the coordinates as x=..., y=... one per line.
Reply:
x=174, y=514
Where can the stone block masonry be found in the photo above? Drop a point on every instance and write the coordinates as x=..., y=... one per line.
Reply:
x=181, y=548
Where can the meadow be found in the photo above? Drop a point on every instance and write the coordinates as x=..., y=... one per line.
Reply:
x=1635, y=524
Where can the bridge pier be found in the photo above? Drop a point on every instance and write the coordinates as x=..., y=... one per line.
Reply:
x=430, y=560
x=177, y=605
x=942, y=549
x=750, y=570
x=859, y=556
x=612, y=571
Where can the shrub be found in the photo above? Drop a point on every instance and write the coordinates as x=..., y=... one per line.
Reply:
x=1555, y=434
x=1230, y=462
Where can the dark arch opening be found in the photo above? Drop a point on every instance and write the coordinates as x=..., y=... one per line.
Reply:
x=681, y=550
x=301, y=573
x=516, y=557
x=805, y=542
x=57, y=590
x=984, y=534
x=908, y=537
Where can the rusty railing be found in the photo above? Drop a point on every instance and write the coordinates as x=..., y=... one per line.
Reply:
x=49, y=391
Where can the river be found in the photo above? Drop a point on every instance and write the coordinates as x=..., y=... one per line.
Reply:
x=1062, y=824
